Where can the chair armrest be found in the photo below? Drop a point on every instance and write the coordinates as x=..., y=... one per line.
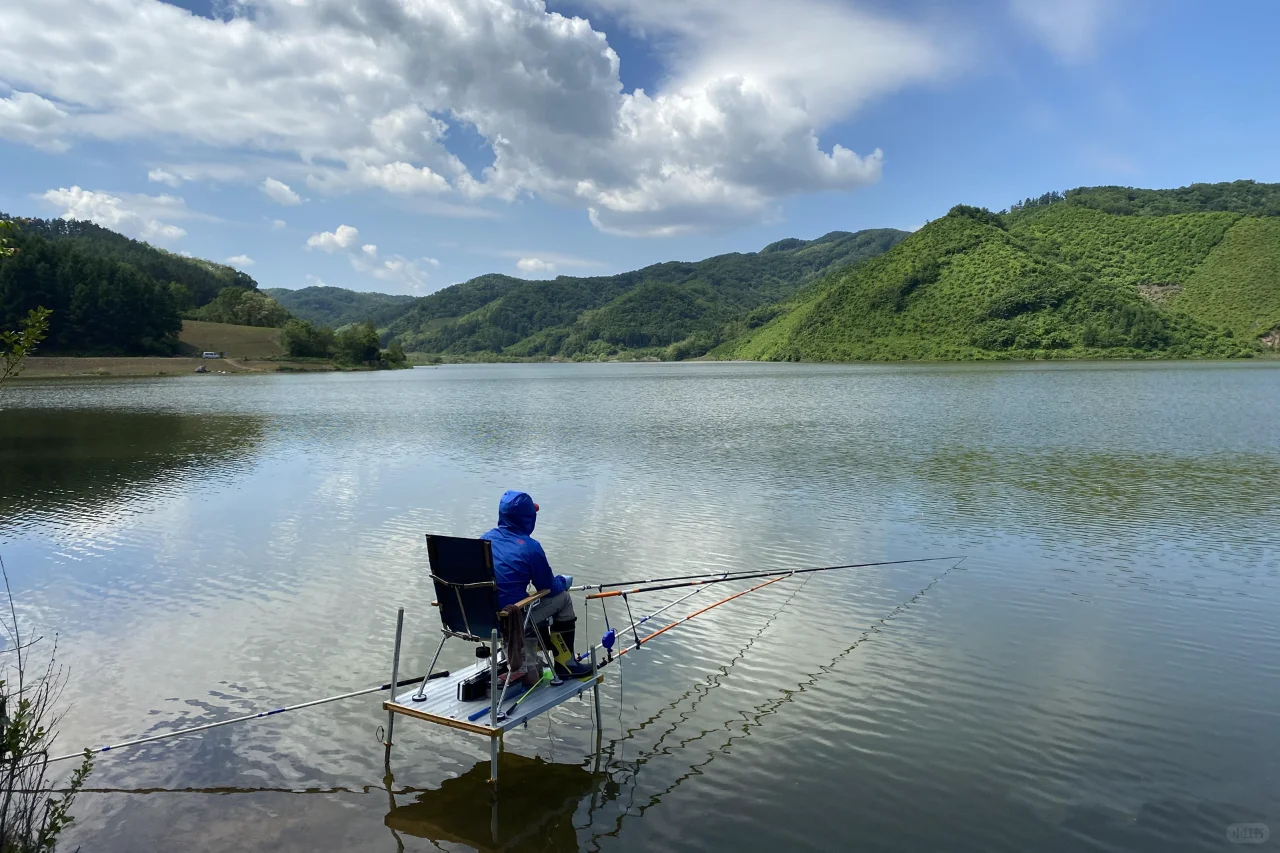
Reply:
x=526, y=602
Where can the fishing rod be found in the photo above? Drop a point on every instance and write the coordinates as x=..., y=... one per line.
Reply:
x=642, y=640
x=610, y=634
x=406, y=683
x=739, y=576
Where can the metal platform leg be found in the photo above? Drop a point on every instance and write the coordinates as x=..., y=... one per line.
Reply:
x=493, y=764
x=493, y=710
x=595, y=690
x=395, y=676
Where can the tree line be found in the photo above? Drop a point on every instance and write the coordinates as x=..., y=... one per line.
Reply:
x=99, y=305
x=355, y=345
x=110, y=295
x=201, y=280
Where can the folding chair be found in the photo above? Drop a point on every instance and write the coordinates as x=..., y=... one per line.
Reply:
x=467, y=595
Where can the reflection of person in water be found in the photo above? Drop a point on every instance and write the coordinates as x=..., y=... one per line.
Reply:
x=534, y=811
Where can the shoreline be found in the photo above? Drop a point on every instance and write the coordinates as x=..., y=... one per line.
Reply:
x=80, y=367
x=1091, y=359
x=93, y=367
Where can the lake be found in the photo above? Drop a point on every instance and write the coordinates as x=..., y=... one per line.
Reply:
x=1100, y=673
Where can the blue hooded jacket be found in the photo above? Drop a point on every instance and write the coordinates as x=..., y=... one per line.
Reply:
x=518, y=558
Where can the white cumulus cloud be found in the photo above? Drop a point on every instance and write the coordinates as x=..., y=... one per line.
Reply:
x=396, y=270
x=279, y=192
x=140, y=216
x=331, y=241
x=239, y=261
x=398, y=177
x=363, y=94
x=28, y=118
x=535, y=266
x=557, y=260
x=163, y=176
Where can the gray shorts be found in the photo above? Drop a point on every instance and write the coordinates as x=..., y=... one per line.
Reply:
x=557, y=608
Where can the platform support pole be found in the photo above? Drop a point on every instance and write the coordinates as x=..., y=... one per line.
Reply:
x=595, y=690
x=395, y=676
x=493, y=709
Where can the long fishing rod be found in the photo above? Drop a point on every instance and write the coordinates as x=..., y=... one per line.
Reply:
x=406, y=683
x=610, y=634
x=640, y=641
x=742, y=576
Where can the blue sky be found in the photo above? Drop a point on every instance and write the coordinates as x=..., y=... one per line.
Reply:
x=458, y=137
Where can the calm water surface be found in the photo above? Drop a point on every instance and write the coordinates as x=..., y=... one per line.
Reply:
x=1101, y=673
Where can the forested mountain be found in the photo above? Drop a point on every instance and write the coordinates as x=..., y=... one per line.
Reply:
x=1094, y=271
x=100, y=305
x=336, y=306
x=671, y=310
x=202, y=280
x=113, y=295
x=1100, y=271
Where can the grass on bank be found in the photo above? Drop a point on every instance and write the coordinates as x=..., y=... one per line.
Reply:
x=198, y=336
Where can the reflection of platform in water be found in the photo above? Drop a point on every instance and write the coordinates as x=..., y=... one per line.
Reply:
x=536, y=811
x=440, y=703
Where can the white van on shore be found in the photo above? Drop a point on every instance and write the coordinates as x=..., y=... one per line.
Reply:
x=211, y=355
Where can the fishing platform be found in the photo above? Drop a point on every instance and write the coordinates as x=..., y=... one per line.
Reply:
x=476, y=699
x=439, y=703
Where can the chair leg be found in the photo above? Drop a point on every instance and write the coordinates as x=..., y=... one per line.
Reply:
x=420, y=695
x=548, y=658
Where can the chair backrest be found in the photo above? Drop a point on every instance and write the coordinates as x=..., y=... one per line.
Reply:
x=462, y=571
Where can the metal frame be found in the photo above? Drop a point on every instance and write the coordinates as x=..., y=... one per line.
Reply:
x=497, y=698
x=498, y=720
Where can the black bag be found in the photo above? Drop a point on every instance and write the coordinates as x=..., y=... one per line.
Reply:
x=475, y=687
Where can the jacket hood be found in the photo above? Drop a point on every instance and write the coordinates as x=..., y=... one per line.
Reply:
x=516, y=513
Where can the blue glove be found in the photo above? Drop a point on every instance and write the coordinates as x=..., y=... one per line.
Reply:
x=560, y=583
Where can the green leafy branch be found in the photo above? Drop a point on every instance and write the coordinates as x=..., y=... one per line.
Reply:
x=17, y=345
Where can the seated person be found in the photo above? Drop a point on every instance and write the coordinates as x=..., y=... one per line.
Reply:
x=518, y=560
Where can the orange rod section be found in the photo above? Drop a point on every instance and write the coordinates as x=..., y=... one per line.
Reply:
x=700, y=612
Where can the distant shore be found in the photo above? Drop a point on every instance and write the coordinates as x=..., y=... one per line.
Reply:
x=52, y=367
x=59, y=367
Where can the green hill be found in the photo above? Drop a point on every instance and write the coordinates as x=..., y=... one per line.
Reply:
x=337, y=306
x=202, y=279
x=111, y=295
x=670, y=310
x=1238, y=285
x=1055, y=277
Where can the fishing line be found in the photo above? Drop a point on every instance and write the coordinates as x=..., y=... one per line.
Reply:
x=768, y=708
x=875, y=628
x=710, y=684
